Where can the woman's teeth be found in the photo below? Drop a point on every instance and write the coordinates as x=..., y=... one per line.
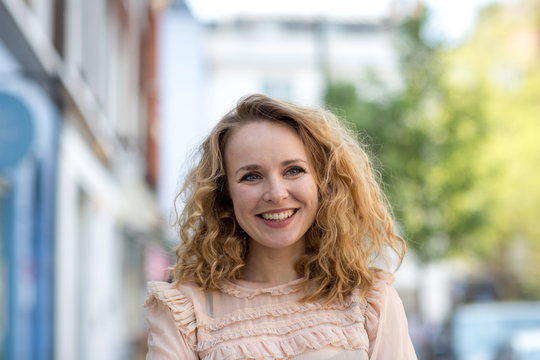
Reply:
x=278, y=216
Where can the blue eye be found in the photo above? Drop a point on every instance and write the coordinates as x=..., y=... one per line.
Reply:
x=295, y=171
x=250, y=177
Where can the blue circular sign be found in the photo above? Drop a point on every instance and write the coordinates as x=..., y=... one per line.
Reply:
x=16, y=130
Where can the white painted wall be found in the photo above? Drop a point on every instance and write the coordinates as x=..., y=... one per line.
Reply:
x=244, y=60
x=184, y=106
x=88, y=256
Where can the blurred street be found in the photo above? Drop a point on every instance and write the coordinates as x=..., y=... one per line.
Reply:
x=103, y=102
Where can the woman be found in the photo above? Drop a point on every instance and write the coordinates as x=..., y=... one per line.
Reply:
x=282, y=224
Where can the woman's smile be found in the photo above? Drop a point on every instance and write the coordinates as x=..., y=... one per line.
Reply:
x=277, y=215
x=278, y=219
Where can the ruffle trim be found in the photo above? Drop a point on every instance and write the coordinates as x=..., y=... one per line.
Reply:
x=240, y=291
x=353, y=308
x=181, y=308
x=208, y=340
x=375, y=299
x=348, y=338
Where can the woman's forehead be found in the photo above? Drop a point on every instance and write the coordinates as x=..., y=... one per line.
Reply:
x=263, y=140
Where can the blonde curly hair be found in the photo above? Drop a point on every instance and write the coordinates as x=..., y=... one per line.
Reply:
x=353, y=226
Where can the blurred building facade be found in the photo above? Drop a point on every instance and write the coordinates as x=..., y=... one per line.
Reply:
x=78, y=216
x=294, y=58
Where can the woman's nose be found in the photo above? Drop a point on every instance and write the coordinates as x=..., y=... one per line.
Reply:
x=275, y=190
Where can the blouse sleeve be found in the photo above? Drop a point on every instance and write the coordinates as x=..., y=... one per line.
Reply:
x=386, y=323
x=169, y=330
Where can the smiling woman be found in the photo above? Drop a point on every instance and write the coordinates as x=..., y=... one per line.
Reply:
x=282, y=224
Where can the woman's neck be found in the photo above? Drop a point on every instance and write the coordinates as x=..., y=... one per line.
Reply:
x=273, y=266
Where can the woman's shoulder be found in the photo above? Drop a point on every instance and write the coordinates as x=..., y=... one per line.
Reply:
x=176, y=300
x=172, y=293
x=376, y=295
x=382, y=281
x=377, y=298
x=386, y=322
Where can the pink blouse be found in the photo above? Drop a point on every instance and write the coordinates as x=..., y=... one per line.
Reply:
x=249, y=321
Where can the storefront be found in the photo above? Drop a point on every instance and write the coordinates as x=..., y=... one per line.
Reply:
x=28, y=142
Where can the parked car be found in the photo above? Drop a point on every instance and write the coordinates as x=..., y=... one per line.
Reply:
x=524, y=345
x=480, y=331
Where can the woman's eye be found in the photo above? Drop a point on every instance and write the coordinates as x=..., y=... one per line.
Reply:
x=250, y=177
x=295, y=171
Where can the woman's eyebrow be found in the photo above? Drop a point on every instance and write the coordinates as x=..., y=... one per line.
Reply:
x=292, y=161
x=249, y=167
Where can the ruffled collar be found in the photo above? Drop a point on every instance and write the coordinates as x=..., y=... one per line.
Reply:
x=250, y=289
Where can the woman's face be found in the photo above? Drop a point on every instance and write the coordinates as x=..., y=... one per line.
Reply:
x=271, y=184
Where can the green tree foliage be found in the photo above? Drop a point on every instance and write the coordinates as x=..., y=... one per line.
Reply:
x=426, y=137
x=504, y=55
